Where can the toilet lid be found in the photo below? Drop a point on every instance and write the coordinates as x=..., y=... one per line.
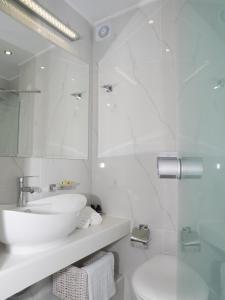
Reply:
x=156, y=280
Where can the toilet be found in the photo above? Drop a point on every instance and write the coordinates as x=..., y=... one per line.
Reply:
x=156, y=280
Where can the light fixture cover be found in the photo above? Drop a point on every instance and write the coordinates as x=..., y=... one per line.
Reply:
x=42, y=13
x=103, y=31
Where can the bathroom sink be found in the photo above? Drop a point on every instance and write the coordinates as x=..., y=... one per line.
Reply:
x=41, y=224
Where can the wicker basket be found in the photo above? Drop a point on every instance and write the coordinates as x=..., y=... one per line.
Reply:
x=71, y=283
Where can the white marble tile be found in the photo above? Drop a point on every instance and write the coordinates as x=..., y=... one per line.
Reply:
x=54, y=123
x=48, y=171
x=135, y=69
x=135, y=123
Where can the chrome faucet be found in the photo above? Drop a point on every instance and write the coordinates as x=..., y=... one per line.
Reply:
x=22, y=190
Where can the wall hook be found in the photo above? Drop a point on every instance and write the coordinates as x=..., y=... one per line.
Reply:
x=77, y=96
x=108, y=88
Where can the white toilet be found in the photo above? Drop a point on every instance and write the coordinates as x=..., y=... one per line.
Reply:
x=156, y=280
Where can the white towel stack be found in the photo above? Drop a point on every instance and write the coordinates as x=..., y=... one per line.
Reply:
x=101, y=285
x=89, y=217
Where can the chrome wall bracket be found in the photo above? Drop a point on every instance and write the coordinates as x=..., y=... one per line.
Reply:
x=190, y=240
x=179, y=168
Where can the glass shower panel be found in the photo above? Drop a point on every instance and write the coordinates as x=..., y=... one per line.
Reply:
x=201, y=114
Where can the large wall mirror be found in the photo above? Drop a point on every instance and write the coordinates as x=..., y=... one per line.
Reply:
x=44, y=93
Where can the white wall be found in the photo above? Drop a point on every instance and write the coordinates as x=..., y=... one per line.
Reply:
x=135, y=123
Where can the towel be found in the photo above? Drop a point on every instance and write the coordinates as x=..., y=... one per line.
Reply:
x=101, y=285
x=88, y=217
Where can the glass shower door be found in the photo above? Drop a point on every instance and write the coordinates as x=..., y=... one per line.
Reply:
x=201, y=133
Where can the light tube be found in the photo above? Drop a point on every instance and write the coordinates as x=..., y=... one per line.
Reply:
x=42, y=13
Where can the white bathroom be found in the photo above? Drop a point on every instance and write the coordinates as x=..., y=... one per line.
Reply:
x=112, y=150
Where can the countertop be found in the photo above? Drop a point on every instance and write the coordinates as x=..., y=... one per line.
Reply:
x=20, y=271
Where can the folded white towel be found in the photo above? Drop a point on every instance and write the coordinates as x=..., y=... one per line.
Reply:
x=101, y=285
x=88, y=217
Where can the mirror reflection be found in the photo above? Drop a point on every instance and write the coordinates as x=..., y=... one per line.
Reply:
x=44, y=93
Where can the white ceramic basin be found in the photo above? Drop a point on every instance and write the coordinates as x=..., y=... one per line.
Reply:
x=41, y=224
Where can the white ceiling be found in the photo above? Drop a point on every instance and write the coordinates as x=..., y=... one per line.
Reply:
x=98, y=10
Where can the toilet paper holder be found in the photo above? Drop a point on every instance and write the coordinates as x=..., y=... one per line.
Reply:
x=190, y=239
x=140, y=236
x=179, y=168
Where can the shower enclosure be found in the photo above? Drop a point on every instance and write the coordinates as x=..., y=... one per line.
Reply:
x=201, y=133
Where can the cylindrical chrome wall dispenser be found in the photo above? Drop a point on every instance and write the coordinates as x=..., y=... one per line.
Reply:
x=191, y=167
x=168, y=167
x=180, y=168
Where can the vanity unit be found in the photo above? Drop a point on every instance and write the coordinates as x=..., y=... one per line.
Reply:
x=25, y=270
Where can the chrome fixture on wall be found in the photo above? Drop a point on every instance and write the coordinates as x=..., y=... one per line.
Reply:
x=42, y=13
x=190, y=239
x=140, y=236
x=108, y=88
x=168, y=167
x=179, y=168
x=220, y=83
x=77, y=96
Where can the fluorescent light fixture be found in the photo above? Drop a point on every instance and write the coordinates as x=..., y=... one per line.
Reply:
x=8, y=52
x=42, y=13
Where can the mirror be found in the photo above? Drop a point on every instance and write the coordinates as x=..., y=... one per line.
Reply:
x=44, y=92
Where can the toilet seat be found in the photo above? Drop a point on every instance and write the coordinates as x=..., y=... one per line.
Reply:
x=156, y=280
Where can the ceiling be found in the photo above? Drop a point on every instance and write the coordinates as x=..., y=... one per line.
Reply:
x=98, y=10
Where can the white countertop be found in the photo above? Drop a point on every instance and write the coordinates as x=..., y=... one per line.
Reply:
x=20, y=271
